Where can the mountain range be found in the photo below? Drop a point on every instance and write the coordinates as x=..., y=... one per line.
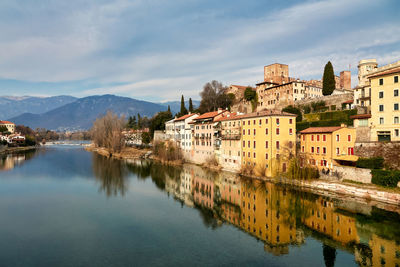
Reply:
x=80, y=114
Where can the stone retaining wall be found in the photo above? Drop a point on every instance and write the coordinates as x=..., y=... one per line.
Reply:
x=330, y=100
x=354, y=174
x=390, y=151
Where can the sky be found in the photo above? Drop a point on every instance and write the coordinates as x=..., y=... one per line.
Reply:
x=157, y=50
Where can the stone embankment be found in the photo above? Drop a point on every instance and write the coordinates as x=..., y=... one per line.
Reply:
x=6, y=150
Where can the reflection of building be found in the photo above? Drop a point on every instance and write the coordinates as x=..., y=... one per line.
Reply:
x=186, y=186
x=265, y=215
x=203, y=188
x=325, y=147
x=325, y=220
x=9, y=161
x=268, y=138
x=384, y=252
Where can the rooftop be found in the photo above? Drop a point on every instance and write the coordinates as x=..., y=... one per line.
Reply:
x=6, y=122
x=392, y=71
x=267, y=112
x=361, y=116
x=209, y=115
x=329, y=129
x=229, y=117
x=184, y=117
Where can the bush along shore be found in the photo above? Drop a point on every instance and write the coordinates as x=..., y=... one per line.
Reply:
x=7, y=150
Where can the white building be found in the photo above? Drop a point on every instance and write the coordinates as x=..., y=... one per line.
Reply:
x=170, y=129
x=183, y=132
x=9, y=125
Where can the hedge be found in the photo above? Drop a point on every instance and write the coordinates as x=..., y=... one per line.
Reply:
x=370, y=163
x=385, y=178
x=332, y=115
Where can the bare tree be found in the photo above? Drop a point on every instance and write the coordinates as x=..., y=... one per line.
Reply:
x=214, y=96
x=107, y=132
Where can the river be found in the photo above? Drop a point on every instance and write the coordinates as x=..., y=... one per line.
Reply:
x=64, y=206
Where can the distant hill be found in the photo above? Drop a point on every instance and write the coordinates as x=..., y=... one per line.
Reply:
x=79, y=115
x=176, y=105
x=14, y=106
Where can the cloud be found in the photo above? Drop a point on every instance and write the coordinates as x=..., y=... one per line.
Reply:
x=160, y=49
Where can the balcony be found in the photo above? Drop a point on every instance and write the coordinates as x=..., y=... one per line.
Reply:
x=230, y=137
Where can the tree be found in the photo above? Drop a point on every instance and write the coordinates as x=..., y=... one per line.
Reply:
x=294, y=110
x=169, y=109
x=158, y=121
x=329, y=255
x=3, y=129
x=191, y=109
x=183, y=110
x=107, y=132
x=249, y=94
x=213, y=97
x=139, y=121
x=328, y=82
x=132, y=122
x=146, y=138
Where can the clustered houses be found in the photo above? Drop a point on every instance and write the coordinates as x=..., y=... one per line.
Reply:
x=134, y=137
x=11, y=137
x=325, y=147
x=9, y=125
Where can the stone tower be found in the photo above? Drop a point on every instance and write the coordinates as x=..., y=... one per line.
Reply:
x=365, y=66
x=276, y=73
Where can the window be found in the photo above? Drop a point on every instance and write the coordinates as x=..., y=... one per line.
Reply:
x=244, y=154
x=396, y=92
x=350, y=151
x=266, y=144
x=396, y=132
x=318, y=150
x=290, y=121
x=254, y=131
x=254, y=155
x=380, y=94
x=381, y=108
x=259, y=122
x=349, y=138
x=324, y=150
x=244, y=143
x=266, y=131
x=337, y=151
x=312, y=137
x=381, y=121
x=248, y=144
x=396, y=120
x=290, y=131
x=277, y=131
x=302, y=149
x=266, y=121
x=317, y=137
x=244, y=132
x=277, y=121
x=380, y=81
x=277, y=144
x=324, y=138
x=304, y=137
x=396, y=79
x=337, y=138
x=396, y=106
x=312, y=149
x=248, y=154
x=266, y=156
x=254, y=144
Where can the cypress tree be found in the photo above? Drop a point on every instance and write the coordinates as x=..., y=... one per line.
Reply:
x=191, y=109
x=183, y=108
x=169, y=109
x=139, y=123
x=328, y=82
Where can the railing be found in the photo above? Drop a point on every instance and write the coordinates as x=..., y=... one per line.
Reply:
x=230, y=137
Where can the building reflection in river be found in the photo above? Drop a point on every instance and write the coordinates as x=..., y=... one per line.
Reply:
x=10, y=161
x=281, y=216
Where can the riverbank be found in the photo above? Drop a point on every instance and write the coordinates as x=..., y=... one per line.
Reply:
x=7, y=150
x=367, y=192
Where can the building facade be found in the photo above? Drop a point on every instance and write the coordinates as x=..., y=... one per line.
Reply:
x=183, y=128
x=385, y=105
x=326, y=147
x=9, y=125
x=268, y=140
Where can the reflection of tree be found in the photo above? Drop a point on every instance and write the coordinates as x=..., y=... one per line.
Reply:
x=329, y=255
x=111, y=173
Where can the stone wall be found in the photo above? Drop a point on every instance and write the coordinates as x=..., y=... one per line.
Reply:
x=363, y=134
x=354, y=174
x=160, y=136
x=330, y=100
x=390, y=151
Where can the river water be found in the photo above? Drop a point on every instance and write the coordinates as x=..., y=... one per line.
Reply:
x=64, y=206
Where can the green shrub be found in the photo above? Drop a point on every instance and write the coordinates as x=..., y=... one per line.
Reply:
x=307, y=109
x=385, y=178
x=294, y=110
x=370, y=163
x=333, y=107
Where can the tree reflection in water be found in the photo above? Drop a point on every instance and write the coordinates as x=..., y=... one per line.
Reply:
x=111, y=174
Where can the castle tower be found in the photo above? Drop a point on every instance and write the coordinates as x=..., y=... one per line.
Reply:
x=364, y=67
x=276, y=73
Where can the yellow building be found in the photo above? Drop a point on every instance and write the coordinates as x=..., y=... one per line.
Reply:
x=326, y=147
x=230, y=149
x=384, y=252
x=9, y=125
x=385, y=106
x=268, y=140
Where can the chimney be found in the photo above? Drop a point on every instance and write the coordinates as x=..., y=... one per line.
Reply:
x=220, y=110
x=343, y=125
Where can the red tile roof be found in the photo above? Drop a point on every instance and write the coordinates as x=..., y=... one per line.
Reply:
x=268, y=112
x=184, y=117
x=329, y=129
x=6, y=122
x=348, y=102
x=229, y=117
x=392, y=71
x=208, y=115
x=361, y=116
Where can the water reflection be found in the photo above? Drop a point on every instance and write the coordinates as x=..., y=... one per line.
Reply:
x=10, y=161
x=280, y=216
x=112, y=175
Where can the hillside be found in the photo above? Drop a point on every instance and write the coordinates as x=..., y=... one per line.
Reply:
x=80, y=114
x=14, y=106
